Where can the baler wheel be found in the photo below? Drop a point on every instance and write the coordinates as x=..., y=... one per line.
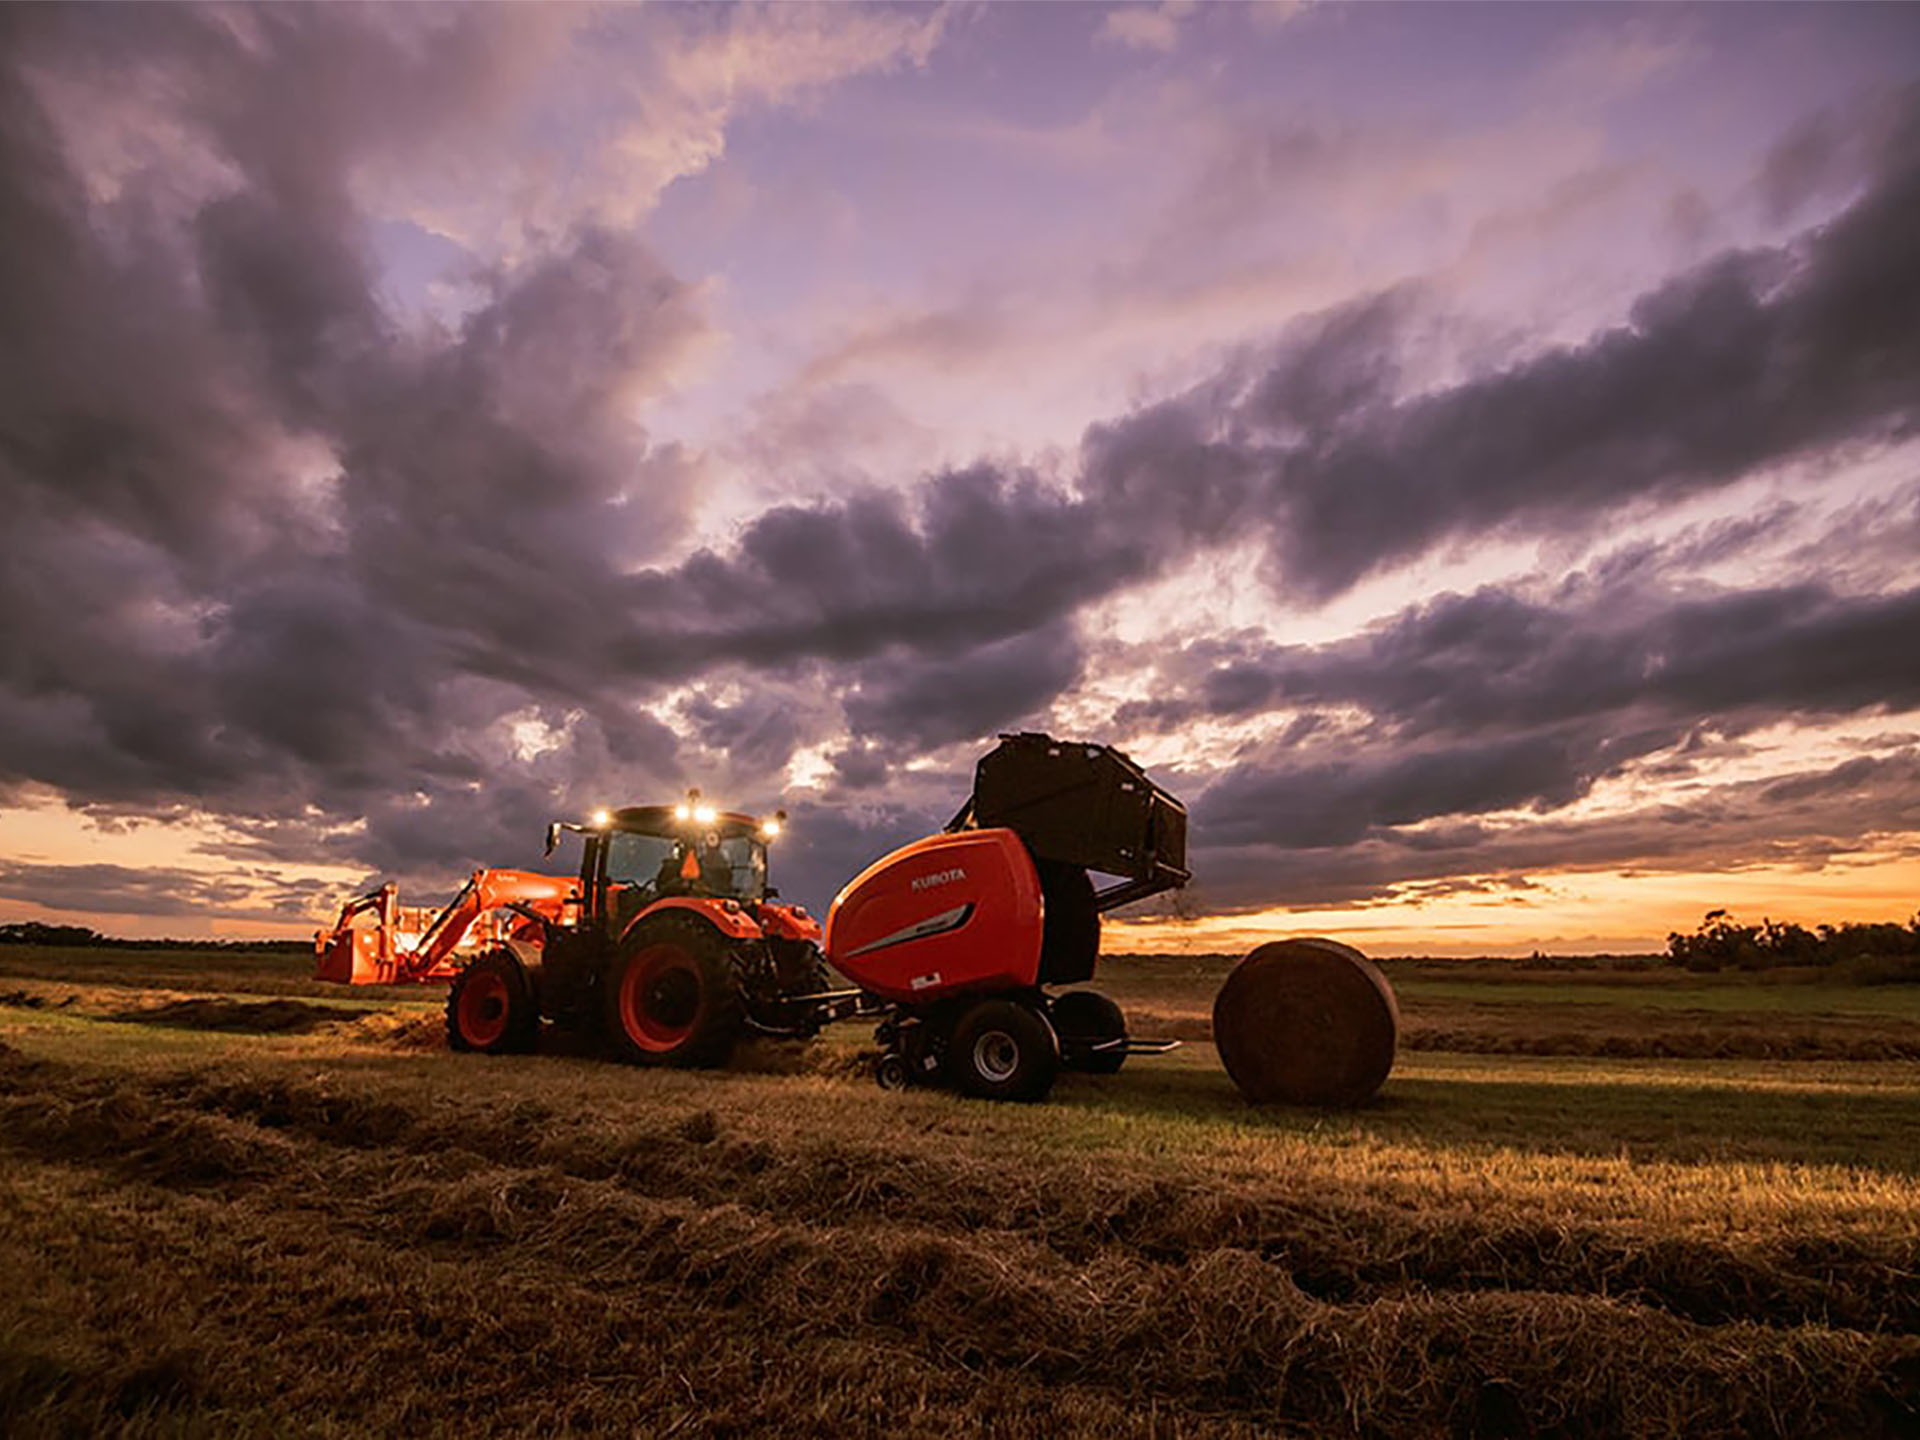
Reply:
x=671, y=997
x=1003, y=1050
x=1089, y=1017
x=491, y=1008
x=890, y=1072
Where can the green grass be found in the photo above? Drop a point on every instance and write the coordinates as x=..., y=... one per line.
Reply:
x=1730, y=995
x=208, y=972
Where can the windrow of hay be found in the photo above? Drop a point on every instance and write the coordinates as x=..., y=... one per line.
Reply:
x=1337, y=1244
x=1226, y=1324
x=1579, y=1031
x=145, y=1313
x=566, y=1263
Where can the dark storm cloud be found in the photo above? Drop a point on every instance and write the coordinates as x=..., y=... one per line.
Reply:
x=1745, y=362
x=1804, y=820
x=979, y=556
x=121, y=890
x=930, y=700
x=1498, y=661
x=277, y=552
x=266, y=549
x=1474, y=705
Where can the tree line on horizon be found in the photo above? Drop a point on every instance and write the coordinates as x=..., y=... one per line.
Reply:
x=76, y=937
x=1722, y=943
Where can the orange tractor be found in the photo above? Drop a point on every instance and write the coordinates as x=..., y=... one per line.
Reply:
x=671, y=943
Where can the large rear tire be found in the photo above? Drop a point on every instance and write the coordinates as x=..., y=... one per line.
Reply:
x=1083, y=1019
x=1003, y=1050
x=491, y=1009
x=671, y=997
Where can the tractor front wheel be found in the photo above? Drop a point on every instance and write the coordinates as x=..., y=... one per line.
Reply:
x=491, y=1007
x=1003, y=1050
x=671, y=997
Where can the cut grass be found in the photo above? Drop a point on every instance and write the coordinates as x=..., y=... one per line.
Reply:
x=314, y=1232
x=1579, y=1012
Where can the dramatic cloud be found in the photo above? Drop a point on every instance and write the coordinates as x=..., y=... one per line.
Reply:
x=381, y=561
x=1496, y=660
x=1805, y=820
x=1475, y=706
x=245, y=895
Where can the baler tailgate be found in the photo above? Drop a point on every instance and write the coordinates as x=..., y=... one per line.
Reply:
x=1083, y=805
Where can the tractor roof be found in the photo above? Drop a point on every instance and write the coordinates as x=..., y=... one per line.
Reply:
x=662, y=820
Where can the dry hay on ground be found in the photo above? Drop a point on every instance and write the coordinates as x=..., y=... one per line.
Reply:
x=211, y=1243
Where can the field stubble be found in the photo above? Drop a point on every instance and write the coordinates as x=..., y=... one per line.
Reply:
x=241, y=1216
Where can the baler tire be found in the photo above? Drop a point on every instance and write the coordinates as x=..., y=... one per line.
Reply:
x=491, y=1009
x=671, y=997
x=1003, y=1050
x=1089, y=1016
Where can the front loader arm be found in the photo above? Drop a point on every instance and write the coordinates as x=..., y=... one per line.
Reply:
x=485, y=891
x=406, y=947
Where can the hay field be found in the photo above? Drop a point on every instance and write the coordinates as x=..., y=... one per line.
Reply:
x=1587, y=1203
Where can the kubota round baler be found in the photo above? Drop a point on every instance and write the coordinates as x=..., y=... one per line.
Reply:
x=953, y=914
x=963, y=934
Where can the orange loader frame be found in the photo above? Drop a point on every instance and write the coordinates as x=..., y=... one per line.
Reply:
x=414, y=944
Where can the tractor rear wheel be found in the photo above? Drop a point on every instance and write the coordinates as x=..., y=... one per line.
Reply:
x=1003, y=1050
x=1083, y=1019
x=491, y=1007
x=671, y=997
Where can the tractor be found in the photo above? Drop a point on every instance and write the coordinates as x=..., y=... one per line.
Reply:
x=671, y=944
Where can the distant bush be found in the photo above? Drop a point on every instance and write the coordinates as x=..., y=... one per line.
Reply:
x=1872, y=953
x=76, y=937
x=33, y=932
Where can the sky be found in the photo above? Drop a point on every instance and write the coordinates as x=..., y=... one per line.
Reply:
x=1468, y=453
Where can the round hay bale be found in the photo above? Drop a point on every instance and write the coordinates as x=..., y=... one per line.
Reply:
x=1306, y=1022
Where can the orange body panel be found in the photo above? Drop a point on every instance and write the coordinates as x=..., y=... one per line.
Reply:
x=726, y=916
x=789, y=922
x=952, y=914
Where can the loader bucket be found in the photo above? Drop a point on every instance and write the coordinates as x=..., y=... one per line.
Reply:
x=351, y=957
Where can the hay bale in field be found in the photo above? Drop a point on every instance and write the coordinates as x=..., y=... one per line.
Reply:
x=1307, y=1022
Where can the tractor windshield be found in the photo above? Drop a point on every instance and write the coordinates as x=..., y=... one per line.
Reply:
x=746, y=861
x=731, y=866
x=637, y=859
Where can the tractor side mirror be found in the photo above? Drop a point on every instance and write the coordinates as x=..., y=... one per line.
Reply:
x=553, y=836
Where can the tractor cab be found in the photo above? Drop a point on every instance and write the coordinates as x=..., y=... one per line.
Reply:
x=645, y=853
